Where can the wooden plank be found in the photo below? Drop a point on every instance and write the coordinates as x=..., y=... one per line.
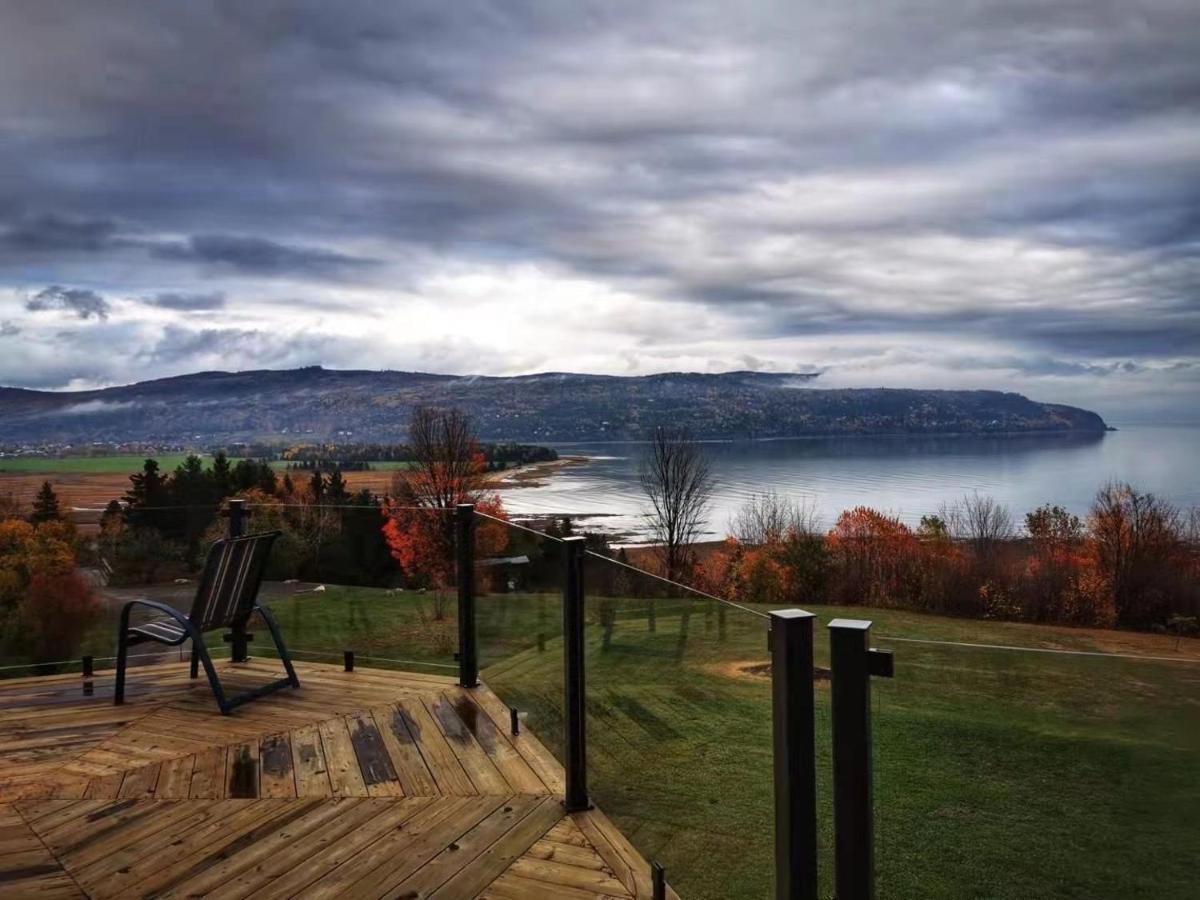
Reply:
x=402, y=749
x=513, y=887
x=428, y=879
x=175, y=778
x=344, y=776
x=276, y=773
x=392, y=860
x=208, y=775
x=241, y=771
x=533, y=751
x=560, y=874
x=308, y=761
x=500, y=855
x=266, y=850
x=445, y=767
x=520, y=777
x=104, y=787
x=301, y=880
x=479, y=768
x=238, y=825
x=378, y=773
x=139, y=782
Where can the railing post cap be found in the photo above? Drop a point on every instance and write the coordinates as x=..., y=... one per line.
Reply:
x=851, y=624
x=787, y=614
x=462, y=506
x=575, y=540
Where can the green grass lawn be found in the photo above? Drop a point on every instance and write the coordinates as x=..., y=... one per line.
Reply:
x=87, y=465
x=998, y=774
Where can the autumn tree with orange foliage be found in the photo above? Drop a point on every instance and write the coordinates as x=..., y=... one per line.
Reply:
x=45, y=606
x=876, y=559
x=449, y=468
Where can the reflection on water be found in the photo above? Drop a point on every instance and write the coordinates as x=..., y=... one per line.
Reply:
x=909, y=476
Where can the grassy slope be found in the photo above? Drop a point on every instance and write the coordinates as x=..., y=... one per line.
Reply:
x=998, y=774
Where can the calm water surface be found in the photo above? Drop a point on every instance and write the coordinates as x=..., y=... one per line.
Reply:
x=908, y=476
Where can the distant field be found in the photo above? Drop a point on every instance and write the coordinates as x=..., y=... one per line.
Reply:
x=84, y=465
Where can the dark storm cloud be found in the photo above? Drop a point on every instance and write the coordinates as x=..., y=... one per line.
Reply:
x=257, y=255
x=78, y=301
x=184, y=302
x=1017, y=171
x=51, y=233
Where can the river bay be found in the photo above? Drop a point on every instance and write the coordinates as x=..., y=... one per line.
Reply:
x=907, y=476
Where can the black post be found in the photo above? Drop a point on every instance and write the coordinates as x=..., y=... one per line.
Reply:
x=576, y=722
x=464, y=545
x=853, y=663
x=237, y=528
x=348, y=660
x=795, y=754
x=88, y=668
x=514, y=720
x=658, y=876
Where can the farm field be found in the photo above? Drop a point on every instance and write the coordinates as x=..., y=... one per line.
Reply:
x=88, y=482
x=998, y=773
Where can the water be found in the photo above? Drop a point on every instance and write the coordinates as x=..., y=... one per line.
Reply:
x=907, y=476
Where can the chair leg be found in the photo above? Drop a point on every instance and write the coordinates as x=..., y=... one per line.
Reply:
x=278, y=639
x=214, y=682
x=122, y=656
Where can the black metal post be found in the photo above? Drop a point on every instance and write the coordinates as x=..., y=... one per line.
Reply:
x=853, y=663
x=514, y=720
x=658, y=880
x=464, y=545
x=795, y=754
x=237, y=528
x=88, y=667
x=348, y=660
x=573, y=662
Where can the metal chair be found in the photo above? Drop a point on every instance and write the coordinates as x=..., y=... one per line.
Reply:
x=225, y=598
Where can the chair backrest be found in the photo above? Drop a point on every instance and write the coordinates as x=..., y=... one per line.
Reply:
x=232, y=575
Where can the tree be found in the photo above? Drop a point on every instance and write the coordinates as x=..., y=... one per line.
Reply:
x=981, y=522
x=222, y=476
x=45, y=505
x=335, y=488
x=147, y=497
x=448, y=468
x=877, y=557
x=767, y=518
x=10, y=507
x=677, y=480
x=1136, y=538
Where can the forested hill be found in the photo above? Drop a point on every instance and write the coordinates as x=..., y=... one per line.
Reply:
x=324, y=404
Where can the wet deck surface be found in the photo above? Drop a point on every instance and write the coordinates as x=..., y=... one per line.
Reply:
x=372, y=783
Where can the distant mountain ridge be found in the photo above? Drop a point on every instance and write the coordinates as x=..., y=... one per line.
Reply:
x=322, y=404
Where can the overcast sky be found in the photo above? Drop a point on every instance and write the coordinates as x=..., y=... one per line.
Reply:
x=934, y=194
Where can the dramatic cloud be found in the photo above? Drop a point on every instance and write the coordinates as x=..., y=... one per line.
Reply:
x=77, y=301
x=189, y=302
x=996, y=194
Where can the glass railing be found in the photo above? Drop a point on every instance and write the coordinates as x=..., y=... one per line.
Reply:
x=519, y=595
x=679, y=728
x=1015, y=773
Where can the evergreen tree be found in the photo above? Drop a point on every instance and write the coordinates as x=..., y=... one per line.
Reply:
x=147, y=494
x=335, y=489
x=288, y=487
x=316, y=484
x=222, y=476
x=194, y=494
x=45, y=505
x=267, y=482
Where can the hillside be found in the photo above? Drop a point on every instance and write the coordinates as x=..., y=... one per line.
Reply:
x=318, y=403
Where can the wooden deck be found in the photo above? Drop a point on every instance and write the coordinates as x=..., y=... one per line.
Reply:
x=372, y=783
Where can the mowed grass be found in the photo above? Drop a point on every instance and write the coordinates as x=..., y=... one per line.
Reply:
x=122, y=464
x=998, y=773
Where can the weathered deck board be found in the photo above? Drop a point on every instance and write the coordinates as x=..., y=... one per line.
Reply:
x=368, y=783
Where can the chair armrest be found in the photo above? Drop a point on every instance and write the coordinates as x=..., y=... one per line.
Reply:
x=154, y=604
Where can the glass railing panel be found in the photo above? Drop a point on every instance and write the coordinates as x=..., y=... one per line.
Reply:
x=1016, y=773
x=374, y=579
x=679, y=728
x=519, y=589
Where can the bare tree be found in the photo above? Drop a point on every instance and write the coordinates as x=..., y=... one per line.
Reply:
x=677, y=479
x=447, y=467
x=980, y=521
x=769, y=518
